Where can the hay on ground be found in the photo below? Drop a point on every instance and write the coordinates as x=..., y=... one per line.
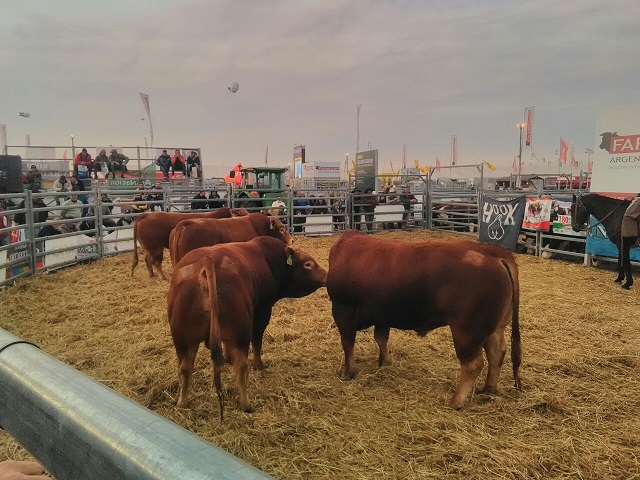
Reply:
x=576, y=418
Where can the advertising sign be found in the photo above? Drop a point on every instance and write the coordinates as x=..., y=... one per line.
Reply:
x=616, y=153
x=366, y=170
x=537, y=214
x=501, y=221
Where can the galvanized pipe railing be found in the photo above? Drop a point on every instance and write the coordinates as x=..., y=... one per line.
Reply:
x=78, y=428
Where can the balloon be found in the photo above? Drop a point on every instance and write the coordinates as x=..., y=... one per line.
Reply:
x=233, y=88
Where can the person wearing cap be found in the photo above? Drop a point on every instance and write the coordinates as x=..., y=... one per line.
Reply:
x=117, y=161
x=177, y=162
x=193, y=160
x=164, y=162
x=83, y=158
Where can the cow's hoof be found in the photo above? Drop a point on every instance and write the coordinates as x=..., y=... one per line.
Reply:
x=455, y=404
x=258, y=366
x=247, y=409
x=488, y=390
x=345, y=374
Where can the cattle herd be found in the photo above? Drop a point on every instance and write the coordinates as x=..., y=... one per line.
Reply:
x=230, y=267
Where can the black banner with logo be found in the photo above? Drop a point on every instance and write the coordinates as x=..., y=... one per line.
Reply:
x=501, y=221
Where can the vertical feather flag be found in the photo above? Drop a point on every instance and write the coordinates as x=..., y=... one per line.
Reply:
x=145, y=102
x=563, y=151
x=514, y=166
x=437, y=165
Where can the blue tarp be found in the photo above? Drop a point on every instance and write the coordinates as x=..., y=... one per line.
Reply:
x=599, y=244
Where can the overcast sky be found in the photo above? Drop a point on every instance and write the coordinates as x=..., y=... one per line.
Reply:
x=422, y=70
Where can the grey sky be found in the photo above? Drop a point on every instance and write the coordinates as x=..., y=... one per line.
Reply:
x=422, y=70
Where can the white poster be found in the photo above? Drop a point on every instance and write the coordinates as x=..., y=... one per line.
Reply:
x=616, y=152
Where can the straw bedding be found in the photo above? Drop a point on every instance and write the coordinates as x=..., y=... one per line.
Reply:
x=578, y=416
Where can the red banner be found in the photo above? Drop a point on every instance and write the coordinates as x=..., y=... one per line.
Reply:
x=528, y=117
x=563, y=151
x=515, y=166
x=437, y=165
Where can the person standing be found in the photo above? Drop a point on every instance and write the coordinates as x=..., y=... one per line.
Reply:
x=407, y=199
x=193, y=160
x=370, y=201
x=164, y=162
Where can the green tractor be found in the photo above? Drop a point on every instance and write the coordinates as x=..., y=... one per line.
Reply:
x=259, y=187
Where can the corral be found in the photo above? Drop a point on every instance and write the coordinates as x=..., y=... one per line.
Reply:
x=576, y=418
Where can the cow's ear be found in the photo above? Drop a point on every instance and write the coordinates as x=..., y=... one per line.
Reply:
x=291, y=255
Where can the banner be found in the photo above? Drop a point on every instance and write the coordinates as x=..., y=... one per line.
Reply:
x=616, y=155
x=537, y=213
x=563, y=151
x=454, y=149
x=437, y=165
x=528, y=119
x=145, y=101
x=501, y=221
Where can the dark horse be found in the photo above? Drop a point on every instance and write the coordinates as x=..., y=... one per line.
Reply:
x=609, y=212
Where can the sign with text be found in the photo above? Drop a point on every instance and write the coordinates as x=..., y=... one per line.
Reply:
x=616, y=153
x=366, y=170
x=501, y=220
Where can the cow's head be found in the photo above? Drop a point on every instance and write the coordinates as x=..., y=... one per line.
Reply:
x=279, y=231
x=305, y=277
x=606, y=140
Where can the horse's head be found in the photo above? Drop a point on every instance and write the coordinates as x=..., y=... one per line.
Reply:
x=579, y=214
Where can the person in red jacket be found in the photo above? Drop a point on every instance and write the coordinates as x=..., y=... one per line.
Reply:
x=178, y=162
x=83, y=158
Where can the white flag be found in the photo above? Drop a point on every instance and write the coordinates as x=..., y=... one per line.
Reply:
x=145, y=101
x=3, y=139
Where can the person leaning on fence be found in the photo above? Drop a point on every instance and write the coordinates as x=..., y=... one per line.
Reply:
x=139, y=207
x=278, y=209
x=100, y=163
x=177, y=162
x=33, y=179
x=407, y=199
x=117, y=161
x=193, y=160
x=5, y=222
x=200, y=201
x=370, y=201
x=74, y=210
x=215, y=201
x=337, y=210
x=105, y=209
x=164, y=162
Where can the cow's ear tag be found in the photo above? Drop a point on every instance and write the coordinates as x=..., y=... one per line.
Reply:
x=271, y=226
x=289, y=260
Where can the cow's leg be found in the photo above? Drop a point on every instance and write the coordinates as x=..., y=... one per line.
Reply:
x=259, y=326
x=186, y=359
x=346, y=323
x=381, y=335
x=239, y=358
x=626, y=261
x=495, y=347
x=157, y=261
x=469, y=354
x=148, y=260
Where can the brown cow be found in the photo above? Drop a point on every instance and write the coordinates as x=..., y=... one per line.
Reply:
x=225, y=294
x=152, y=231
x=471, y=287
x=200, y=232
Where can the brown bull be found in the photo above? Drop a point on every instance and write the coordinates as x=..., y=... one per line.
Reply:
x=152, y=231
x=224, y=294
x=471, y=287
x=200, y=232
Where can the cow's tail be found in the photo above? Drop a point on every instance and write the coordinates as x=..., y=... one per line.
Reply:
x=174, y=241
x=516, y=349
x=135, y=244
x=215, y=341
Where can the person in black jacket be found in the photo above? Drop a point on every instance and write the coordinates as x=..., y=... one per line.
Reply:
x=199, y=201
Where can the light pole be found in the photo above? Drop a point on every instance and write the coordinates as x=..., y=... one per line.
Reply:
x=73, y=148
x=520, y=127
